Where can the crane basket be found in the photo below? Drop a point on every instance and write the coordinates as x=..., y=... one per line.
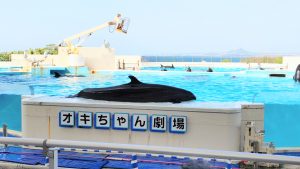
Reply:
x=122, y=25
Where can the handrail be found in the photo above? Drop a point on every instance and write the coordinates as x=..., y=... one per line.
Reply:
x=22, y=141
x=191, y=152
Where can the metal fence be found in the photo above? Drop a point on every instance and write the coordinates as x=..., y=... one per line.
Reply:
x=262, y=59
x=52, y=146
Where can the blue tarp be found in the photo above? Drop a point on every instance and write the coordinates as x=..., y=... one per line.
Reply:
x=23, y=156
x=92, y=161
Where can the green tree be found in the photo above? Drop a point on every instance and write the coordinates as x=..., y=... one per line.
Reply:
x=5, y=56
x=226, y=60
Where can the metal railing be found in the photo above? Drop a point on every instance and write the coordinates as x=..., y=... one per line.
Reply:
x=51, y=147
x=230, y=59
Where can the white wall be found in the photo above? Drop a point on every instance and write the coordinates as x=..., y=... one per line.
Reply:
x=211, y=126
x=291, y=62
x=98, y=58
x=19, y=60
x=5, y=64
x=95, y=58
x=132, y=62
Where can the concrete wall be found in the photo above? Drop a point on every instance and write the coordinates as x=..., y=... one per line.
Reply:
x=96, y=58
x=18, y=60
x=291, y=62
x=131, y=62
x=210, y=125
x=251, y=113
x=6, y=64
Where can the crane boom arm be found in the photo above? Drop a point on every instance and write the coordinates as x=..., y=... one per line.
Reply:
x=71, y=48
x=88, y=32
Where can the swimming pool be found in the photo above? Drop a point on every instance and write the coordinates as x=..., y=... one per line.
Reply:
x=280, y=95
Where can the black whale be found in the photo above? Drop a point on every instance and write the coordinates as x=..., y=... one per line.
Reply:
x=297, y=74
x=58, y=75
x=136, y=91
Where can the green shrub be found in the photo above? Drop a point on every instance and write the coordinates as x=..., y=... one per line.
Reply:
x=265, y=59
x=226, y=60
x=5, y=56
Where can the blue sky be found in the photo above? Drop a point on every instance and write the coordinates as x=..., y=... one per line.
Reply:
x=157, y=27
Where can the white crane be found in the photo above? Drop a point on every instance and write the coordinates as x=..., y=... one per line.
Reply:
x=119, y=24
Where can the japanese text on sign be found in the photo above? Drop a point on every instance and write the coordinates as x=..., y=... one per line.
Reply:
x=123, y=121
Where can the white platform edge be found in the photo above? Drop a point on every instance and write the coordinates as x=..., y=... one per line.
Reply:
x=192, y=106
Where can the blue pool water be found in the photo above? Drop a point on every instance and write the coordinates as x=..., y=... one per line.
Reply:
x=10, y=110
x=280, y=95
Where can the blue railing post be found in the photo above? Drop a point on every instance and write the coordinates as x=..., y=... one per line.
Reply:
x=229, y=165
x=134, y=161
x=4, y=132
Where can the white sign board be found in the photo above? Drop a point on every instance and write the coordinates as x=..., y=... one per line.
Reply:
x=121, y=121
x=139, y=122
x=66, y=119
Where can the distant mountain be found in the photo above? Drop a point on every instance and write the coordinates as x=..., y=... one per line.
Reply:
x=239, y=53
x=232, y=53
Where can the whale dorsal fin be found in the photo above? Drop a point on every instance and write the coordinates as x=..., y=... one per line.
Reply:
x=57, y=75
x=134, y=80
